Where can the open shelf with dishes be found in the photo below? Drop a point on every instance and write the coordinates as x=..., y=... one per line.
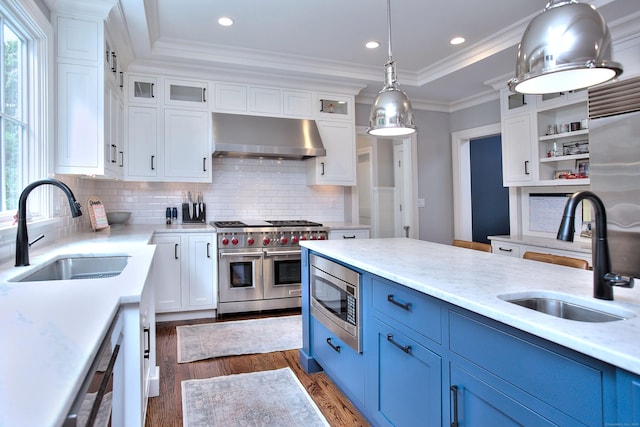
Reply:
x=563, y=145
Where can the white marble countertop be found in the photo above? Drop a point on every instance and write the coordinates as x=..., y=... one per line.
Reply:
x=545, y=242
x=51, y=331
x=474, y=279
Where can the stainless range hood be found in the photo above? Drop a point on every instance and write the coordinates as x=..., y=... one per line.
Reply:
x=255, y=136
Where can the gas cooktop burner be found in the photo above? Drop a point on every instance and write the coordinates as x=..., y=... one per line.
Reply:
x=229, y=224
x=273, y=223
x=294, y=223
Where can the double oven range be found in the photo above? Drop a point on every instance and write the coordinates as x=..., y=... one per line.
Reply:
x=259, y=265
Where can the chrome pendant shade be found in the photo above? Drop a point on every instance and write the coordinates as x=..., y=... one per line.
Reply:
x=566, y=47
x=391, y=113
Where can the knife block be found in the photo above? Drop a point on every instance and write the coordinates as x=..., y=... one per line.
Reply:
x=200, y=219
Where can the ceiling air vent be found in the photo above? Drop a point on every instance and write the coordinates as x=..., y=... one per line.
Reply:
x=614, y=98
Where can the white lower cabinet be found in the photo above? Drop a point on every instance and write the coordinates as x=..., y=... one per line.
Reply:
x=348, y=233
x=518, y=249
x=136, y=376
x=185, y=272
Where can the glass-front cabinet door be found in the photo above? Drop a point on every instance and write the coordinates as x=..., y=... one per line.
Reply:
x=142, y=89
x=186, y=93
x=334, y=107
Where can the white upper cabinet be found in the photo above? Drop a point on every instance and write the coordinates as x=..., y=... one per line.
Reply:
x=338, y=167
x=79, y=39
x=264, y=100
x=231, y=98
x=517, y=158
x=260, y=100
x=187, y=147
x=297, y=103
x=142, y=144
x=88, y=100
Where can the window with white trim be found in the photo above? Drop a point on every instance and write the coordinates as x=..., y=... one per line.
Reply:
x=24, y=88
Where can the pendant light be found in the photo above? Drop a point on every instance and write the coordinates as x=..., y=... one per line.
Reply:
x=566, y=47
x=391, y=113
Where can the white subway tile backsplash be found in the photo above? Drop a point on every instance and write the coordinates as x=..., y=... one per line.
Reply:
x=240, y=188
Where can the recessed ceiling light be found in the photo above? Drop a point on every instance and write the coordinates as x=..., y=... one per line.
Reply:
x=225, y=21
x=372, y=45
x=457, y=40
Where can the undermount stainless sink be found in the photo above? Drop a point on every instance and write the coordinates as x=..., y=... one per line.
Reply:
x=568, y=307
x=77, y=267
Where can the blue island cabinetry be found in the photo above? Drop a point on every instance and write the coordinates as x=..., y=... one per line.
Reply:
x=430, y=363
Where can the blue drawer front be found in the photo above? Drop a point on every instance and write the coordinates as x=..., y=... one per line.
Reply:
x=413, y=309
x=567, y=385
x=345, y=368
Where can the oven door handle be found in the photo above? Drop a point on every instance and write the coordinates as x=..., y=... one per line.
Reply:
x=276, y=253
x=243, y=254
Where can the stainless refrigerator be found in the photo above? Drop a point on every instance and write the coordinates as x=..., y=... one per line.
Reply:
x=614, y=147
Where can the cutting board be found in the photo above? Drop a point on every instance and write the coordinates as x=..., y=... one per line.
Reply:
x=97, y=214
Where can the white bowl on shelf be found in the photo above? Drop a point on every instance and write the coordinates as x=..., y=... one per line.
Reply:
x=117, y=218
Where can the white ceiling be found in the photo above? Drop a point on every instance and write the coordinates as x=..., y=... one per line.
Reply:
x=324, y=41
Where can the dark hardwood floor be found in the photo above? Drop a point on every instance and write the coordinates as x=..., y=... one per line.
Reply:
x=166, y=409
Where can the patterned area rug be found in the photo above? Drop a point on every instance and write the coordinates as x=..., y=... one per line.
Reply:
x=267, y=398
x=198, y=342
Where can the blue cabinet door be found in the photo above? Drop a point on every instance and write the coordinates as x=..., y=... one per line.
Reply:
x=406, y=380
x=628, y=399
x=475, y=403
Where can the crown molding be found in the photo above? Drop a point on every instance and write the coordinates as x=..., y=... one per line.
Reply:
x=94, y=7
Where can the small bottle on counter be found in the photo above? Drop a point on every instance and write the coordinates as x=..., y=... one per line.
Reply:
x=168, y=216
x=175, y=216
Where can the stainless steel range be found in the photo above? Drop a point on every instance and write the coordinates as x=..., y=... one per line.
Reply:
x=259, y=263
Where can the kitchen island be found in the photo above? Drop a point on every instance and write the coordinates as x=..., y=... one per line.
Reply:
x=52, y=330
x=471, y=326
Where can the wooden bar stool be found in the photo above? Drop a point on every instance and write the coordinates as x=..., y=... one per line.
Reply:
x=557, y=259
x=484, y=247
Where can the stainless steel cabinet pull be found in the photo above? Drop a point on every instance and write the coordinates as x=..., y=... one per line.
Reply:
x=175, y=250
x=335, y=347
x=349, y=237
x=153, y=85
x=276, y=253
x=204, y=164
x=405, y=305
x=322, y=165
x=121, y=159
x=204, y=96
x=208, y=246
x=147, y=347
x=526, y=167
x=152, y=161
x=405, y=348
x=242, y=254
x=114, y=153
x=454, y=400
x=504, y=250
